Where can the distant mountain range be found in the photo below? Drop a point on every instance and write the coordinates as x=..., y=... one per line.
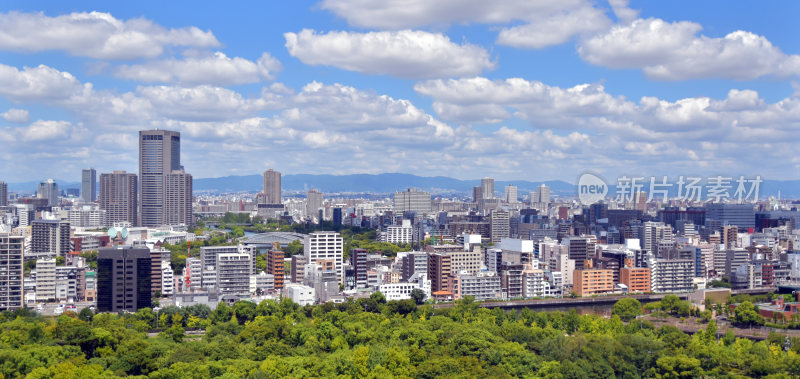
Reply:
x=380, y=183
x=391, y=182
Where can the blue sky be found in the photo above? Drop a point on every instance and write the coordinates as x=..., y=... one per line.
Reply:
x=514, y=89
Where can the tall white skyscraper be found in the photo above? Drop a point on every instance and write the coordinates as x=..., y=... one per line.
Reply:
x=48, y=190
x=119, y=197
x=159, y=156
x=313, y=203
x=88, y=185
x=542, y=194
x=511, y=195
x=487, y=188
x=272, y=187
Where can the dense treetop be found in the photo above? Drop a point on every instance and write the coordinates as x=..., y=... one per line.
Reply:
x=371, y=338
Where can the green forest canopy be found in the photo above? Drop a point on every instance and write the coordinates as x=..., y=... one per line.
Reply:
x=372, y=338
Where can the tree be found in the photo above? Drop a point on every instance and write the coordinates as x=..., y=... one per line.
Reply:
x=378, y=297
x=418, y=296
x=627, y=308
x=747, y=314
x=293, y=248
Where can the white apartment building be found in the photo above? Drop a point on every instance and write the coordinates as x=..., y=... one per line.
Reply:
x=233, y=273
x=402, y=291
x=326, y=245
x=399, y=234
x=45, y=279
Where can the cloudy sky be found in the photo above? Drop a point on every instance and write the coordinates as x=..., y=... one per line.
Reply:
x=514, y=89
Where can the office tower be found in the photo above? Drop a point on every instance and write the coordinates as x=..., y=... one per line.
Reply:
x=359, y=259
x=48, y=190
x=45, y=279
x=477, y=194
x=272, y=187
x=337, y=216
x=741, y=215
x=178, y=198
x=313, y=203
x=50, y=237
x=123, y=279
x=159, y=155
x=11, y=271
x=233, y=273
x=487, y=188
x=542, y=195
x=439, y=271
x=578, y=249
x=119, y=197
x=412, y=200
x=3, y=194
x=511, y=194
x=326, y=245
x=88, y=185
x=275, y=267
x=499, y=226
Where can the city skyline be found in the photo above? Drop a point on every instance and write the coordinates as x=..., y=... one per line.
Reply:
x=608, y=87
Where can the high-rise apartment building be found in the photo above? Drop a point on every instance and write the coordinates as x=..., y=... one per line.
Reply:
x=45, y=279
x=313, y=203
x=326, y=245
x=123, y=279
x=511, y=195
x=3, y=194
x=499, y=225
x=439, y=271
x=358, y=257
x=275, y=267
x=412, y=200
x=11, y=271
x=272, y=187
x=178, y=198
x=233, y=273
x=487, y=188
x=50, y=237
x=119, y=197
x=159, y=156
x=542, y=195
x=88, y=185
x=48, y=189
x=477, y=194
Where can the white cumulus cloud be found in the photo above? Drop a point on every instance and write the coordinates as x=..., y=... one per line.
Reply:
x=675, y=51
x=95, y=35
x=401, y=14
x=16, y=115
x=404, y=53
x=216, y=69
